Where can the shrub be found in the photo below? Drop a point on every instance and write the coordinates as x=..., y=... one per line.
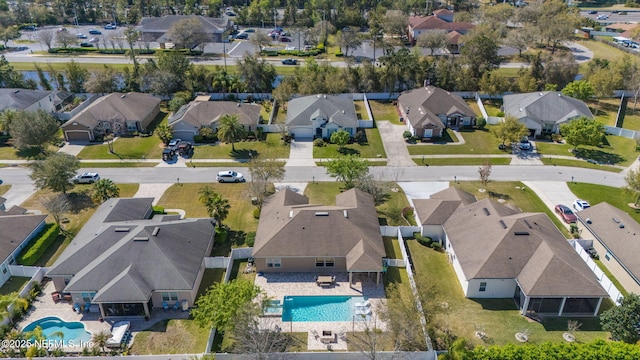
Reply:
x=339, y=53
x=436, y=246
x=256, y=213
x=250, y=239
x=406, y=134
x=221, y=236
x=481, y=122
x=500, y=114
x=426, y=241
x=318, y=143
x=112, y=51
x=31, y=254
x=158, y=209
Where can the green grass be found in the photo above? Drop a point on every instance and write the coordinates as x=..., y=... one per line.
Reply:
x=122, y=164
x=185, y=196
x=461, y=161
x=371, y=149
x=602, y=50
x=392, y=248
x=210, y=277
x=385, y=110
x=32, y=153
x=237, y=272
x=4, y=189
x=596, y=194
x=498, y=318
x=492, y=107
x=361, y=111
x=477, y=142
x=526, y=200
x=171, y=337
x=280, y=115
x=13, y=285
x=616, y=150
x=611, y=277
x=578, y=163
x=125, y=148
x=271, y=147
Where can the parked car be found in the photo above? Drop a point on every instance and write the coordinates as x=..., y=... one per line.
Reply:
x=593, y=253
x=289, y=62
x=229, y=177
x=82, y=36
x=185, y=149
x=86, y=178
x=580, y=205
x=525, y=144
x=110, y=27
x=566, y=214
x=285, y=39
x=86, y=44
x=174, y=143
x=242, y=35
x=230, y=13
x=95, y=32
x=30, y=28
x=0, y=181
x=62, y=29
x=593, y=12
x=249, y=30
x=168, y=154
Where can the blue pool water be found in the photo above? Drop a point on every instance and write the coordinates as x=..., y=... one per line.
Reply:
x=320, y=308
x=74, y=332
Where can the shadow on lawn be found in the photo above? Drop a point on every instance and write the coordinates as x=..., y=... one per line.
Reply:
x=496, y=304
x=560, y=324
x=244, y=154
x=598, y=156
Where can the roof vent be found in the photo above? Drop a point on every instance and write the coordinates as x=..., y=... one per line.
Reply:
x=238, y=104
x=527, y=223
x=121, y=229
x=16, y=91
x=615, y=220
x=588, y=220
x=290, y=214
x=504, y=226
x=343, y=111
x=521, y=233
x=621, y=226
x=322, y=213
x=155, y=232
x=324, y=96
x=345, y=213
x=123, y=96
x=141, y=238
x=486, y=211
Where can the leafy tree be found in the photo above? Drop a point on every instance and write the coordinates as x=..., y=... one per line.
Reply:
x=622, y=321
x=480, y=54
x=44, y=82
x=187, y=33
x=102, y=81
x=103, y=190
x=253, y=334
x=56, y=206
x=29, y=128
x=633, y=184
x=582, y=131
x=76, y=76
x=217, y=206
x=579, y=89
x=263, y=173
x=340, y=138
x=349, y=39
x=395, y=23
x=176, y=103
x=261, y=40
x=605, y=81
x=6, y=117
x=433, y=40
x=222, y=304
x=9, y=33
x=55, y=172
x=520, y=39
x=230, y=129
x=66, y=39
x=174, y=66
x=510, y=130
x=557, y=22
x=257, y=74
x=164, y=132
x=9, y=78
x=347, y=169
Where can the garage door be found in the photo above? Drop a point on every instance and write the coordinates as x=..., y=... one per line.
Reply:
x=302, y=133
x=183, y=135
x=77, y=136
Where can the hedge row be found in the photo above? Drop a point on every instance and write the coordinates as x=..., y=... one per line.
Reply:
x=72, y=50
x=199, y=139
x=300, y=53
x=31, y=254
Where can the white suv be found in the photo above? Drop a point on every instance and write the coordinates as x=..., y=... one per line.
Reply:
x=86, y=178
x=229, y=176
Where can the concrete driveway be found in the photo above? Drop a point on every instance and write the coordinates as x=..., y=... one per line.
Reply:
x=301, y=153
x=394, y=146
x=552, y=193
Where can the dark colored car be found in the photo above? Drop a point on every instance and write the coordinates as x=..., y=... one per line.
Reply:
x=86, y=44
x=249, y=30
x=230, y=13
x=242, y=35
x=593, y=253
x=289, y=62
x=95, y=32
x=81, y=36
x=285, y=39
x=566, y=214
x=593, y=12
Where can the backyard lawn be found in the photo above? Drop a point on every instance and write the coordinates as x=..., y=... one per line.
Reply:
x=13, y=285
x=361, y=111
x=498, y=318
x=171, y=337
x=271, y=147
x=373, y=148
x=385, y=110
x=617, y=150
x=392, y=248
x=595, y=194
x=476, y=142
x=185, y=196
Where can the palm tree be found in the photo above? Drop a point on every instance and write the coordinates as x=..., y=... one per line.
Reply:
x=100, y=339
x=221, y=82
x=230, y=129
x=103, y=190
x=217, y=206
x=5, y=119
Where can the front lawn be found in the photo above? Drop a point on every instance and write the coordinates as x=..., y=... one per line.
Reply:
x=385, y=110
x=373, y=148
x=498, y=318
x=578, y=163
x=185, y=197
x=461, y=161
x=596, y=194
x=617, y=150
x=476, y=142
x=32, y=153
x=4, y=189
x=171, y=337
x=121, y=164
x=271, y=147
x=149, y=147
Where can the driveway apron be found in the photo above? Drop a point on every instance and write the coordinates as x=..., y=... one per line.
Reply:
x=394, y=145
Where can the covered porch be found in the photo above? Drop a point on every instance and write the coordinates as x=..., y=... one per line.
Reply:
x=132, y=309
x=557, y=306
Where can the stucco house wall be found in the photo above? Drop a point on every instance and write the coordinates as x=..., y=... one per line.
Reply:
x=301, y=264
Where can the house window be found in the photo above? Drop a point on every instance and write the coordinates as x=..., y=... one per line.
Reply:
x=88, y=296
x=169, y=296
x=427, y=133
x=325, y=262
x=607, y=256
x=4, y=270
x=274, y=263
x=483, y=286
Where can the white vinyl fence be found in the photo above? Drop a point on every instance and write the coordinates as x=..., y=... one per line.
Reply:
x=35, y=273
x=631, y=134
x=611, y=289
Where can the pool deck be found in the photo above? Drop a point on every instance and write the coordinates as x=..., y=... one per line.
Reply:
x=279, y=285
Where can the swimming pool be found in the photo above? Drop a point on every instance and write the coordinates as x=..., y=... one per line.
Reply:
x=321, y=308
x=74, y=332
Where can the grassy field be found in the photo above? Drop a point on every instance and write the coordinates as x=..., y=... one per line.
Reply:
x=578, y=163
x=385, y=110
x=477, y=142
x=13, y=285
x=185, y=196
x=617, y=150
x=373, y=148
x=595, y=194
x=498, y=318
x=602, y=50
x=11, y=153
x=171, y=337
x=4, y=189
x=389, y=213
x=461, y=161
x=271, y=147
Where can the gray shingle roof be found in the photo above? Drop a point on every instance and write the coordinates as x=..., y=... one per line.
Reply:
x=426, y=103
x=545, y=106
x=290, y=226
x=334, y=109
x=14, y=229
x=622, y=242
x=124, y=107
x=205, y=113
x=20, y=99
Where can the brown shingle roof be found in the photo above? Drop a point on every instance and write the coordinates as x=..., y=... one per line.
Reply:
x=291, y=227
x=435, y=23
x=14, y=229
x=124, y=107
x=426, y=103
x=206, y=113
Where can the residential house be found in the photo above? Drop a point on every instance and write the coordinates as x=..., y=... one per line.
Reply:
x=295, y=236
x=48, y=101
x=154, y=29
x=617, y=242
x=441, y=20
x=499, y=252
x=433, y=212
x=543, y=112
x=128, y=262
x=428, y=110
x=319, y=116
x=17, y=229
x=113, y=113
x=187, y=121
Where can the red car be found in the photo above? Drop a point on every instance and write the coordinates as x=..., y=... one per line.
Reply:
x=566, y=214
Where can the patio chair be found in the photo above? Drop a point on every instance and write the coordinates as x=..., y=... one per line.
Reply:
x=176, y=306
x=76, y=308
x=86, y=307
x=165, y=306
x=365, y=303
x=55, y=296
